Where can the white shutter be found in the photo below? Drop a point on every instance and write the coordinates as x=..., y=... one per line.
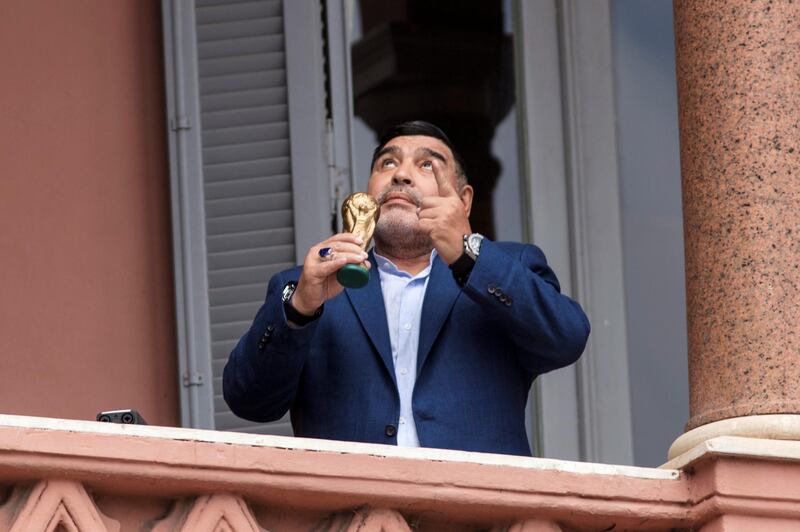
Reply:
x=236, y=219
x=246, y=169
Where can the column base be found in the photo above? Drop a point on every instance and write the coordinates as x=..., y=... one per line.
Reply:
x=767, y=426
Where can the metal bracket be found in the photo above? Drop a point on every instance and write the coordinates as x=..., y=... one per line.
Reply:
x=180, y=122
x=193, y=379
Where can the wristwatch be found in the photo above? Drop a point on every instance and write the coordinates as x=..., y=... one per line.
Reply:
x=462, y=267
x=292, y=314
x=472, y=245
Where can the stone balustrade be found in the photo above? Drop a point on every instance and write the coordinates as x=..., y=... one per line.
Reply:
x=61, y=475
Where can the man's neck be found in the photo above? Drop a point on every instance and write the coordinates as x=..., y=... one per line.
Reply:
x=410, y=265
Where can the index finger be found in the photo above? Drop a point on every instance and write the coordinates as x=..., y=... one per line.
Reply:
x=440, y=173
x=345, y=237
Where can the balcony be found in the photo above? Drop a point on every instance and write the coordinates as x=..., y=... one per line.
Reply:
x=64, y=475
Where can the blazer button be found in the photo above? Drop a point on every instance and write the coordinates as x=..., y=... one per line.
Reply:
x=261, y=346
x=491, y=288
x=391, y=430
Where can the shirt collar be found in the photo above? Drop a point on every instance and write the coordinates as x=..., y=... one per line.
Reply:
x=387, y=266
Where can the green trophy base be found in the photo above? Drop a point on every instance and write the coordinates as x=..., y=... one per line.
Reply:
x=353, y=276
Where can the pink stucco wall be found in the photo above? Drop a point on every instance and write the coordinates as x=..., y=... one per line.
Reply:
x=87, y=309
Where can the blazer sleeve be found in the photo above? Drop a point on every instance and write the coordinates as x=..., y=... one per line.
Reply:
x=261, y=377
x=521, y=297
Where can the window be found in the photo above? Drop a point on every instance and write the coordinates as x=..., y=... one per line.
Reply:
x=250, y=171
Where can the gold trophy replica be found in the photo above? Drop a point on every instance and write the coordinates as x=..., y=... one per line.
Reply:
x=360, y=213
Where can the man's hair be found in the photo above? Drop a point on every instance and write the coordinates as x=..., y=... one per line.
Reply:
x=426, y=129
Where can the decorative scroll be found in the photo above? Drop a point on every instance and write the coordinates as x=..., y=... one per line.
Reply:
x=53, y=505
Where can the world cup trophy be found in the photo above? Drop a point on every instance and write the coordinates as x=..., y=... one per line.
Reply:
x=360, y=213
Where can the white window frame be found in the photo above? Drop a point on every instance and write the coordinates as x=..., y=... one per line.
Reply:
x=311, y=166
x=568, y=134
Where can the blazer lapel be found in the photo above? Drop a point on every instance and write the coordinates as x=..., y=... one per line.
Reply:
x=371, y=311
x=440, y=296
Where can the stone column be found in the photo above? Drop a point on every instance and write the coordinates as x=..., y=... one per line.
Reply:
x=738, y=69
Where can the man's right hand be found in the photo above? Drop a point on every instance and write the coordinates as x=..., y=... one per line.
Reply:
x=318, y=282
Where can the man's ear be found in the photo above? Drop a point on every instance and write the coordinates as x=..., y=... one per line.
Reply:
x=466, y=193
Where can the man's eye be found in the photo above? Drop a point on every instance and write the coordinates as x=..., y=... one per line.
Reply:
x=427, y=165
x=387, y=163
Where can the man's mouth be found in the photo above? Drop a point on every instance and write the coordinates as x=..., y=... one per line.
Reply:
x=398, y=197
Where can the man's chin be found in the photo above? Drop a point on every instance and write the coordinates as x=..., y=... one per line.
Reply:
x=399, y=229
x=398, y=214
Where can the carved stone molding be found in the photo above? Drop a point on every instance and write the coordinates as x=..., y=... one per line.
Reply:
x=380, y=520
x=210, y=513
x=364, y=519
x=531, y=525
x=229, y=513
x=53, y=505
x=135, y=474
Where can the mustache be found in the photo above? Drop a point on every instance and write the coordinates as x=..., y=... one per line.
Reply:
x=412, y=194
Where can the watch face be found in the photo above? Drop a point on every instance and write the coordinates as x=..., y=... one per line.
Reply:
x=288, y=290
x=474, y=242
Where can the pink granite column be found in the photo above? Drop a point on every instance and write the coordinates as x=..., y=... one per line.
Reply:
x=738, y=64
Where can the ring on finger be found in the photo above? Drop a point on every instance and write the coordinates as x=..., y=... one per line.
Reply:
x=326, y=253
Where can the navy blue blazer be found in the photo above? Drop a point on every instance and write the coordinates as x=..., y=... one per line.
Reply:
x=480, y=348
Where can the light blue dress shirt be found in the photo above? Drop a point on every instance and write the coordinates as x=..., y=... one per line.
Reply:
x=403, y=295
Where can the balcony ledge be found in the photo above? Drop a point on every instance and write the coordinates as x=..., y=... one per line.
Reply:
x=280, y=483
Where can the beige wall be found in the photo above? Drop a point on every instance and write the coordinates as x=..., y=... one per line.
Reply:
x=86, y=305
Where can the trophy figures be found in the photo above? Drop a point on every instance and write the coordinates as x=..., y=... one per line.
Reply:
x=360, y=212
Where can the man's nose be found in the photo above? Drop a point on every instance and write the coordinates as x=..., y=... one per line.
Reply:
x=402, y=176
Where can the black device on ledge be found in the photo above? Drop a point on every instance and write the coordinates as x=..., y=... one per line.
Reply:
x=126, y=417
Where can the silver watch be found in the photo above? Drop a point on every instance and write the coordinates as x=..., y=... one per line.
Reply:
x=288, y=291
x=472, y=245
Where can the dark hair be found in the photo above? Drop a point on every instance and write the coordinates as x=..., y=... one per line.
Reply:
x=426, y=129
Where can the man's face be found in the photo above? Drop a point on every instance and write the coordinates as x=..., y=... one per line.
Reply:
x=403, y=174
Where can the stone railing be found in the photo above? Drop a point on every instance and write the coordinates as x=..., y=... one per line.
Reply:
x=61, y=475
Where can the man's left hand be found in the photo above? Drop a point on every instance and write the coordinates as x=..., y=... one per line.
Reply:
x=445, y=217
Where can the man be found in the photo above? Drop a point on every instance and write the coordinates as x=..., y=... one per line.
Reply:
x=439, y=349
